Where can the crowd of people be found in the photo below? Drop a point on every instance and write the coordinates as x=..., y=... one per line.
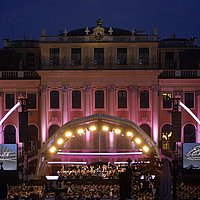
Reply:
x=144, y=186
x=87, y=172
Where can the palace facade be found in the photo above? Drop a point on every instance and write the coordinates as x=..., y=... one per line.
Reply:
x=127, y=74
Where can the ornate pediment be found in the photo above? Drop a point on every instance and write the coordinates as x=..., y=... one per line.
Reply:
x=99, y=31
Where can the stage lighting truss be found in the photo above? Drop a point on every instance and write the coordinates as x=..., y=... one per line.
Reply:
x=58, y=142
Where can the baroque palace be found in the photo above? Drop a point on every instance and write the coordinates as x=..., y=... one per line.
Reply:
x=130, y=75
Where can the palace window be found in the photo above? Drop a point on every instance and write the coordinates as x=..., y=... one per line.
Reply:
x=54, y=56
x=189, y=133
x=9, y=134
x=121, y=56
x=166, y=137
x=76, y=56
x=30, y=61
x=99, y=99
x=169, y=60
x=32, y=102
x=143, y=56
x=189, y=99
x=10, y=101
x=122, y=99
x=144, y=99
x=76, y=99
x=98, y=56
x=167, y=103
x=54, y=99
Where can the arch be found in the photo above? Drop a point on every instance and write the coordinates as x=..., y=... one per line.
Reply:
x=189, y=133
x=166, y=136
x=9, y=134
x=52, y=129
x=78, y=126
x=33, y=137
x=146, y=128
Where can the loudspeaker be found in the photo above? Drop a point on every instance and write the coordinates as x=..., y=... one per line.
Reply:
x=176, y=126
x=23, y=126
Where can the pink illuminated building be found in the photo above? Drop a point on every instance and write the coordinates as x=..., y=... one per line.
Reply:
x=126, y=74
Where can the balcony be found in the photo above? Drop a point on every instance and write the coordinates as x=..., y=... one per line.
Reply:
x=166, y=74
x=12, y=75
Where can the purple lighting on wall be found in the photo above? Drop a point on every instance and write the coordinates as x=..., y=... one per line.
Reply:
x=100, y=154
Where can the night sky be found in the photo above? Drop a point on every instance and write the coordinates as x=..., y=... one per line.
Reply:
x=20, y=17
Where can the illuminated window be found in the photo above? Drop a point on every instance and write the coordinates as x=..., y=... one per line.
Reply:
x=76, y=99
x=166, y=137
x=167, y=103
x=54, y=99
x=189, y=99
x=98, y=56
x=99, y=99
x=121, y=56
x=144, y=99
x=122, y=99
x=76, y=56
x=10, y=101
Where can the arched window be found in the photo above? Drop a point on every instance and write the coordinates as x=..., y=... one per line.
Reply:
x=166, y=137
x=189, y=133
x=9, y=135
x=32, y=137
x=146, y=128
x=52, y=130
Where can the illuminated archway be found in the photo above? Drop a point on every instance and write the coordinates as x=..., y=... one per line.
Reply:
x=100, y=123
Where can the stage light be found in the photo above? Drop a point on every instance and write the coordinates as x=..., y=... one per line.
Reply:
x=80, y=131
x=68, y=134
x=117, y=131
x=60, y=141
x=52, y=149
x=129, y=134
x=105, y=128
x=93, y=128
x=138, y=140
x=145, y=149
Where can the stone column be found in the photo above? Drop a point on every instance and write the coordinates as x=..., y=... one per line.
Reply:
x=155, y=112
x=87, y=100
x=198, y=115
x=133, y=103
x=65, y=104
x=111, y=100
x=1, y=116
x=44, y=103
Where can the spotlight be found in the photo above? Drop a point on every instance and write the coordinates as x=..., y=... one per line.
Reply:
x=52, y=149
x=145, y=148
x=138, y=140
x=93, y=128
x=68, y=134
x=80, y=131
x=129, y=134
x=60, y=141
x=117, y=131
x=105, y=128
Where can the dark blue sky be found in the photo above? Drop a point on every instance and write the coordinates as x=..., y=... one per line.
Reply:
x=19, y=17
